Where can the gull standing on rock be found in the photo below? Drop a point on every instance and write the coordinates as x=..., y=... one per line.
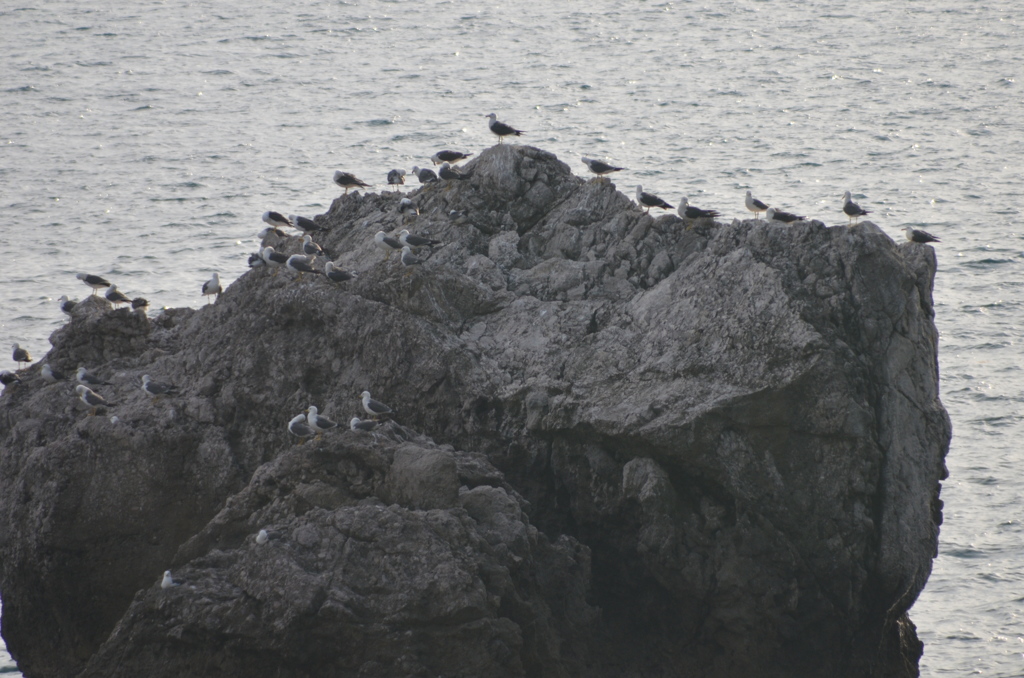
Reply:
x=138, y=303
x=396, y=178
x=688, y=211
x=91, y=398
x=273, y=259
x=500, y=128
x=755, y=205
x=305, y=224
x=155, y=389
x=20, y=355
x=318, y=423
x=51, y=375
x=261, y=537
x=852, y=209
x=778, y=215
x=93, y=281
x=85, y=377
x=7, y=378
x=448, y=156
x=425, y=175
x=300, y=263
x=336, y=275
x=409, y=259
x=374, y=408
x=115, y=297
x=415, y=241
x=347, y=181
x=914, y=235
x=365, y=425
x=212, y=287
x=599, y=167
x=310, y=248
x=387, y=243
x=299, y=428
x=277, y=220
x=66, y=305
x=168, y=581
x=447, y=172
x=650, y=200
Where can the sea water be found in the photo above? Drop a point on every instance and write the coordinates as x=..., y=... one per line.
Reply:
x=142, y=141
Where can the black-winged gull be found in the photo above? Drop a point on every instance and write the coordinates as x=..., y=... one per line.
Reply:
x=310, y=248
x=915, y=235
x=448, y=156
x=852, y=209
x=155, y=389
x=387, y=243
x=91, y=398
x=89, y=379
x=212, y=287
x=138, y=303
x=93, y=281
x=318, y=423
x=273, y=259
x=409, y=259
x=347, y=180
x=500, y=128
x=7, y=378
x=374, y=408
x=365, y=425
x=51, y=375
x=778, y=215
x=424, y=174
x=447, y=172
x=407, y=205
x=337, y=275
x=305, y=224
x=650, y=200
x=688, y=211
x=116, y=297
x=396, y=178
x=300, y=263
x=415, y=241
x=67, y=305
x=600, y=167
x=754, y=205
x=277, y=220
x=299, y=428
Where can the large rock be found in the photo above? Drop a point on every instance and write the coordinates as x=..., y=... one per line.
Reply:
x=627, y=447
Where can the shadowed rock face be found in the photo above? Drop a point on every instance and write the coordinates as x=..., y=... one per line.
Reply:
x=624, y=448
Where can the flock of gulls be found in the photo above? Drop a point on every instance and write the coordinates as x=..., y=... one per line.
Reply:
x=311, y=423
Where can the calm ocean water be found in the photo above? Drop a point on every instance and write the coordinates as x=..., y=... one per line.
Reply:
x=143, y=141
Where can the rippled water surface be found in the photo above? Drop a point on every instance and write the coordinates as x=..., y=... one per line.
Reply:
x=143, y=141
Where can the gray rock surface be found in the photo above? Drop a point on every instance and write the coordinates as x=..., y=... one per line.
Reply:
x=621, y=448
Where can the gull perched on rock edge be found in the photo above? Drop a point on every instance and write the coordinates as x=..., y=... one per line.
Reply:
x=387, y=243
x=277, y=220
x=688, y=211
x=754, y=205
x=415, y=241
x=448, y=156
x=347, y=180
x=778, y=215
x=86, y=377
x=914, y=235
x=7, y=378
x=168, y=581
x=20, y=355
x=500, y=128
x=650, y=200
x=365, y=425
x=116, y=297
x=93, y=281
x=425, y=175
x=337, y=275
x=156, y=389
x=51, y=375
x=67, y=305
x=599, y=167
x=318, y=423
x=852, y=209
x=396, y=178
x=299, y=428
x=261, y=537
x=212, y=287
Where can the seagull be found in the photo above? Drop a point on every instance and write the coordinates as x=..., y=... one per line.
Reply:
x=755, y=205
x=167, y=582
x=277, y=220
x=336, y=276
x=274, y=259
x=299, y=428
x=366, y=425
x=139, y=303
x=300, y=263
x=347, y=181
x=415, y=241
x=7, y=378
x=318, y=423
x=599, y=167
x=914, y=235
x=20, y=356
x=779, y=215
x=261, y=537
x=447, y=172
x=51, y=375
x=85, y=377
x=212, y=287
x=386, y=242
x=852, y=209
x=93, y=281
x=688, y=211
x=155, y=389
x=650, y=200
x=500, y=128
x=448, y=156
x=66, y=305
x=426, y=176
x=256, y=259
x=91, y=398
x=407, y=205
x=409, y=259
x=116, y=298
x=271, y=231
x=305, y=224
x=396, y=178
x=309, y=247
x=373, y=407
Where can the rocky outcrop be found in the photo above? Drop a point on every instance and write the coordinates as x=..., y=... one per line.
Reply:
x=624, y=445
